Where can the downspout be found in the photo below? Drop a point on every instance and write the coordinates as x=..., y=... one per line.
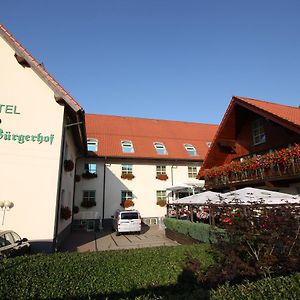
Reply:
x=57, y=209
x=104, y=190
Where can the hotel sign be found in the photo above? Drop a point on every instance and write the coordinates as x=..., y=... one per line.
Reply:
x=21, y=138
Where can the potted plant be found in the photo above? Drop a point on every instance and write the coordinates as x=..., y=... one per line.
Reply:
x=65, y=212
x=75, y=209
x=162, y=177
x=128, y=176
x=68, y=165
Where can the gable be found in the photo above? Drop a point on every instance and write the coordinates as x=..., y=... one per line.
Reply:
x=234, y=136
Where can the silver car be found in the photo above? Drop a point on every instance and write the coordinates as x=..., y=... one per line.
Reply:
x=11, y=244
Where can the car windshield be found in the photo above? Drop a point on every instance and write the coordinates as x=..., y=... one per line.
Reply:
x=129, y=216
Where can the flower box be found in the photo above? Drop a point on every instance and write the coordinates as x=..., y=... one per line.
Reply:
x=128, y=176
x=89, y=175
x=65, y=212
x=162, y=177
x=127, y=203
x=161, y=202
x=281, y=161
x=88, y=203
x=68, y=165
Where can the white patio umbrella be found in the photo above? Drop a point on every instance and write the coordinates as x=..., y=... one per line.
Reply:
x=250, y=195
x=201, y=198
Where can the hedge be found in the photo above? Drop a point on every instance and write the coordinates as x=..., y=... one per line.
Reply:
x=199, y=231
x=95, y=274
x=283, y=287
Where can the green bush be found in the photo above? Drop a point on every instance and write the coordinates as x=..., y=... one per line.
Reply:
x=198, y=231
x=283, y=287
x=96, y=274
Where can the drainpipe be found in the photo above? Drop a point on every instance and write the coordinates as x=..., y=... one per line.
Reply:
x=104, y=183
x=57, y=209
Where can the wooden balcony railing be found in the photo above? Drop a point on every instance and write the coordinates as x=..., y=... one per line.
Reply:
x=275, y=172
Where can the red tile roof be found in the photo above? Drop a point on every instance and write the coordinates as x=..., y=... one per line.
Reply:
x=111, y=130
x=288, y=113
x=38, y=68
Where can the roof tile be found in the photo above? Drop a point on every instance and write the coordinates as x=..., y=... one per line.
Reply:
x=111, y=130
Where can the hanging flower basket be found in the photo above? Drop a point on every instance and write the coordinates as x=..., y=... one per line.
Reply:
x=89, y=175
x=88, y=203
x=127, y=203
x=162, y=177
x=77, y=178
x=128, y=176
x=68, y=165
x=161, y=203
x=65, y=212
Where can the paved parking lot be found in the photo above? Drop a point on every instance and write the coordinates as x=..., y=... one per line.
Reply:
x=106, y=240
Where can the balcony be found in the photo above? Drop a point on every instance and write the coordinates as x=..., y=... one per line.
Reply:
x=273, y=169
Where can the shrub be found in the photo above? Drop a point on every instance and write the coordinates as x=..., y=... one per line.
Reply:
x=198, y=231
x=97, y=274
x=287, y=287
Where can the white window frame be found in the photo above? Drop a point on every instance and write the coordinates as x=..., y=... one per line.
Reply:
x=258, y=132
x=161, y=170
x=192, y=172
x=191, y=150
x=127, y=146
x=89, y=195
x=126, y=195
x=127, y=168
x=90, y=168
x=92, y=143
x=160, y=148
x=161, y=195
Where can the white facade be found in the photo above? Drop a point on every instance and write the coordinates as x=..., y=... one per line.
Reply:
x=144, y=186
x=32, y=141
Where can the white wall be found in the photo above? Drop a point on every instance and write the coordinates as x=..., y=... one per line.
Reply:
x=143, y=186
x=67, y=180
x=29, y=170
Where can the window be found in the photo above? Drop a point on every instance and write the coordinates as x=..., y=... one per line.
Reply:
x=90, y=168
x=92, y=145
x=190, y=149
x=127, y=147
x=258, y=132
x=161, y=195
x=126, y=195
x=160, y=148
x=160, y=170
x=89, y=196
x=126, y=169
x=192, y=172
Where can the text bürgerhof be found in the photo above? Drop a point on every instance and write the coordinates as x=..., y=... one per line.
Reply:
x=21, y=138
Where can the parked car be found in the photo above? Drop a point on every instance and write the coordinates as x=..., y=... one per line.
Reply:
x=11, y=244
x=127, y=221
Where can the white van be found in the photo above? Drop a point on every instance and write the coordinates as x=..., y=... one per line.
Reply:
x=127, y=221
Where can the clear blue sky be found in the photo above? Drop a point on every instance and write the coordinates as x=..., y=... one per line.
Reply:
x=166, y=59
